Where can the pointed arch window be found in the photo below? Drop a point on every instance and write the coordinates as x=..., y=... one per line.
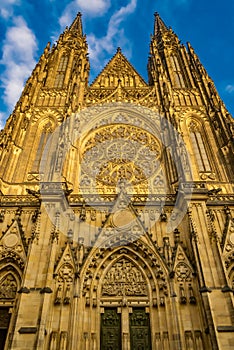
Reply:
x=43, y=140
x=177, y=73
x=199, y=148
x=59, y=79
x=8, y=287
x=8, y=290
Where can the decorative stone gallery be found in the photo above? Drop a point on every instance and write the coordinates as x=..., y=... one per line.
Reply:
x=117, y=204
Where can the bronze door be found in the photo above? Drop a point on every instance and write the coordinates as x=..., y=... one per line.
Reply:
x=4, y=324
x=110, y=330
x=140, y=330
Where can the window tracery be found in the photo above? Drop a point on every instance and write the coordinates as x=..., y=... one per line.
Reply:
x=47, y=129
x=199, y=147
x=59, y=79
x=119, y=152
x=177, y=73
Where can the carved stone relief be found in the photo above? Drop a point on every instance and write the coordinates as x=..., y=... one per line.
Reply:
x=8, y=287
x=183, y=272
x=64, y=284
x=124, y=279
x=13, y=243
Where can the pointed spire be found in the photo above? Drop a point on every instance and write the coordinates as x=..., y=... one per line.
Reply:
x=159, y=26
x=76, y=26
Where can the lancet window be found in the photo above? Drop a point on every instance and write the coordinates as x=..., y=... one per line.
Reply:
x=59, y=79
x=177, y=74
x=199, y=147
x=43, y=140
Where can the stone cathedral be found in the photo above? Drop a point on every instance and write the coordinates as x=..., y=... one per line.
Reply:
x=117, y=204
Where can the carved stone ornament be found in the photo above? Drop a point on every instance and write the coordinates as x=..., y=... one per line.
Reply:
x=66, y=273
x=124, y=278
x=13, y=243
x=11, y=239
x=8, y=287
x=116, y=71
x=183, y=272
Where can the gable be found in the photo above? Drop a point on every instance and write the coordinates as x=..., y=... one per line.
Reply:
x=12, y=243
x=122, y=225
x=118, y=71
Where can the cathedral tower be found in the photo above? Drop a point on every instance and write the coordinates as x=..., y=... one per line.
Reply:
x=117, y=204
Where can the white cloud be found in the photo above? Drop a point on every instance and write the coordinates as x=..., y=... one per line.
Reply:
x=94, y=6
x=2, y=120
x=98, y=47
x=6, y=9
x=19, y=48
x=229, y=88
x=90, y=7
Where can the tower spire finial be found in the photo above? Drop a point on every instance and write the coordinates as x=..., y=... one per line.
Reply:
x=76, y=26
x=159, y=26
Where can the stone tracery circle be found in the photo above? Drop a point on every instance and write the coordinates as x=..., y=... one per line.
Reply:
x=118, y=141
x=114, y=154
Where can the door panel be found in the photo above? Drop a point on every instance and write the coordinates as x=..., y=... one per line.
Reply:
x=4, y=324
x=110, y=330
x=140, y=330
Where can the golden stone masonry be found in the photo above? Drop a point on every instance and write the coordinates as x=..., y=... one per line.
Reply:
x=117, y=204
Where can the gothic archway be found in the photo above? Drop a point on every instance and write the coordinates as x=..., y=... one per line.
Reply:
x=123, y=285
x=125, y=299
x=9, y=285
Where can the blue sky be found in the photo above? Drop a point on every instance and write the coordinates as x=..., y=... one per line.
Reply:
x=26, y=26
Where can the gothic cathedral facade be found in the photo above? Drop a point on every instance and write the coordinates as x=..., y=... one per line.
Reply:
x=117, y=204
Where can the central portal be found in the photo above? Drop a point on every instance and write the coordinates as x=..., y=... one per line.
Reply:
x=139, y=330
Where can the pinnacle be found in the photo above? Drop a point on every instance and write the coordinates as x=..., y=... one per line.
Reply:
x=76, y=26
x=159, y=26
